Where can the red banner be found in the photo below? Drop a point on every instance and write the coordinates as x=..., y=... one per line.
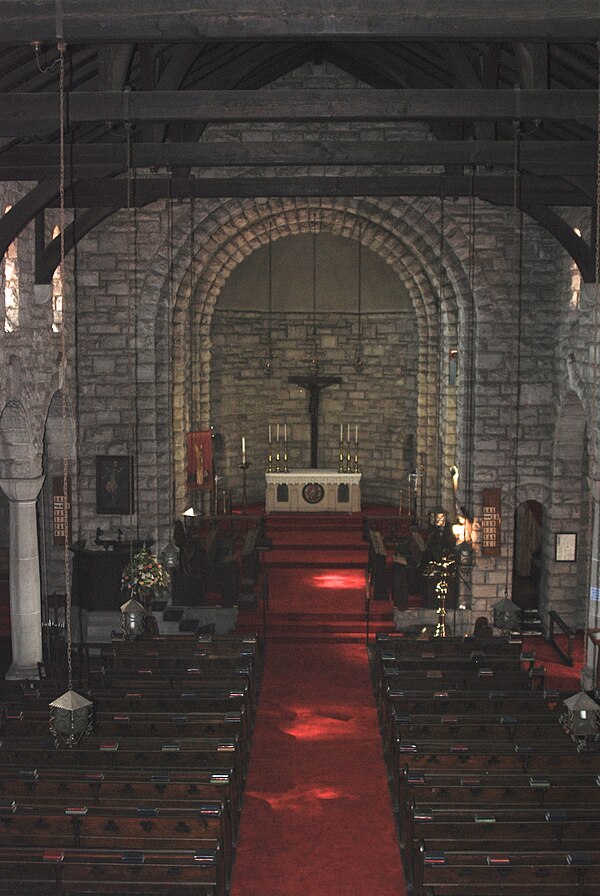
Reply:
x=199, y=459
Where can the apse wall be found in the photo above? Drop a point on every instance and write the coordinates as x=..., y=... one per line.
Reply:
x=381, y=399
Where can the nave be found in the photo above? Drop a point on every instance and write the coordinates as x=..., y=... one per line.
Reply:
x=316, y=797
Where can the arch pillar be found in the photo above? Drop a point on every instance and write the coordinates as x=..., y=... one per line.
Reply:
x=25, y=592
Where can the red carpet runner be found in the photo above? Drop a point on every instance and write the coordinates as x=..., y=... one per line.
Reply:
x=317, y=818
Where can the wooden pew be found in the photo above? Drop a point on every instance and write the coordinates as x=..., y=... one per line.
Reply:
x=66, y=871
x=552, y=790
x=378, y=565
x=500, y=828
x=506, y=873
x=434, y=679
x=106, y=725
x=110, y=826
x=123, y=787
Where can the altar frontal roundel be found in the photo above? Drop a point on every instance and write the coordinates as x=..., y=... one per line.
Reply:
x=313, y=492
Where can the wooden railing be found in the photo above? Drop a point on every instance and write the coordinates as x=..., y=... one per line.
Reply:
x=555, y=619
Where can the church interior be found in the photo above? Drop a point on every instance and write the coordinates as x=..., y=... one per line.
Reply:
x=299, y=456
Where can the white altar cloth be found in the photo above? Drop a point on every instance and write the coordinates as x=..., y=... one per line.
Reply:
x=313, y=491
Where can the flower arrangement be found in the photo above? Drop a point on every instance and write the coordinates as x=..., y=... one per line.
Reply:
x=143, y=574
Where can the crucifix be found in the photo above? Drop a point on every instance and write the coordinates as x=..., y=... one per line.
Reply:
x=314, y=384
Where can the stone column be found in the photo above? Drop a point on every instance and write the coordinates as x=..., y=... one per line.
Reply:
x=24, y=571
x=593, y=607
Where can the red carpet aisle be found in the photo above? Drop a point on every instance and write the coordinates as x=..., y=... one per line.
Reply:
x=317, y=817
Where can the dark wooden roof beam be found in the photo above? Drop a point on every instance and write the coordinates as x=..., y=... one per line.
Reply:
x=24, y=113
x=152, y=20
x=36, y=160
x=93, y=193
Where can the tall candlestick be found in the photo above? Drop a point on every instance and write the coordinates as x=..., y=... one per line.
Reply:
x=285, y=432
x=243, y=450
x=278, y=432
x=341, y=433
x=348, y=434
x=356, y=434
x=270, y=434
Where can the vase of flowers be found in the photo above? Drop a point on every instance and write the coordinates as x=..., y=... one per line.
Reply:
x=144, y=575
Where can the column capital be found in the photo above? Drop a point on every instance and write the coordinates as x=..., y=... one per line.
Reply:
x=22, y=490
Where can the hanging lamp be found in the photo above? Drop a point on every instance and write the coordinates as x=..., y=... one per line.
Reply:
x=133, y=619
x=71, y=713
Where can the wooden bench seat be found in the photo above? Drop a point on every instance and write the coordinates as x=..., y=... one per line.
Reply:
x=500, y=828
x=122, y=787
x=554, y=789
x=109, y=826
x=65, y=871
x=506, y=726
x=506, y=873
x=438, y=678
x=398, y=701
x=29, y=723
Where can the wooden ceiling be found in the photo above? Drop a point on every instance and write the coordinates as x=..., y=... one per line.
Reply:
x=143, y=80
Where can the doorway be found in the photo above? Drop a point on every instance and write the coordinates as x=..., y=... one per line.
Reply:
x=527, y=562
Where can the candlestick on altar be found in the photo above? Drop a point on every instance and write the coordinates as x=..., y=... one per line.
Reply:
x=348, y=434
x=341, y=433
x=356, y=434
x=277, y=432
x=285, y=432
x=270, y=438
x=244, y=468
x=243, y=449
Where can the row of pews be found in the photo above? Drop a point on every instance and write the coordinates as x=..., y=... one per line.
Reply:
x=147, y=802
x=493, y=796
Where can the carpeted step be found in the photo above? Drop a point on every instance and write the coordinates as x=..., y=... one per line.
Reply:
x=335, y=559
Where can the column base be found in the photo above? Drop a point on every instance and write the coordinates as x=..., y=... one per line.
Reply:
x=16, y=673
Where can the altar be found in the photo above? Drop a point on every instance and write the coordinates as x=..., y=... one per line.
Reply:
x=306, y=491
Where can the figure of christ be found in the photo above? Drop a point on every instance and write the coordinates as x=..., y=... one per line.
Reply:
x=314, y=385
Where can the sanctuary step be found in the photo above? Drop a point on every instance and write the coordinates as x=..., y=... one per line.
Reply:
x=330, y=540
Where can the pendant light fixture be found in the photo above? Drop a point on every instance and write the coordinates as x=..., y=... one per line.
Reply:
x=71, y=713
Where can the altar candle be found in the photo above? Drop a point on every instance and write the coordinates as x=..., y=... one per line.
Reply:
x=243, y=450
x=341, y=433
x=270, y=434
x=285, y=432
x=356, y=434
x=278, y=432
x=348, y=434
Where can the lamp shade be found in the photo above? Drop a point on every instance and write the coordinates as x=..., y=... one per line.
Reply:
x=170, y=556
x=71, y=717
x=506, y=614
x=437, y=518
x=465, y=556
x=581, y=715
x=133, y=619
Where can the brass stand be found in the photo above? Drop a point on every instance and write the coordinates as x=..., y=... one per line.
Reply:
x=244, y=469
x=442, y=591
x=443, y=567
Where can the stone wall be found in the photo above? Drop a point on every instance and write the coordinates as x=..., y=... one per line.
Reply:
x=382, y=399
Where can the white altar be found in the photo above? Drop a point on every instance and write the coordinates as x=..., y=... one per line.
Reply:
x=317, y=491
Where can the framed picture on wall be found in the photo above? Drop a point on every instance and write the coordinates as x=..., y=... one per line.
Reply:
x=114, y=484
x=565, y=549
